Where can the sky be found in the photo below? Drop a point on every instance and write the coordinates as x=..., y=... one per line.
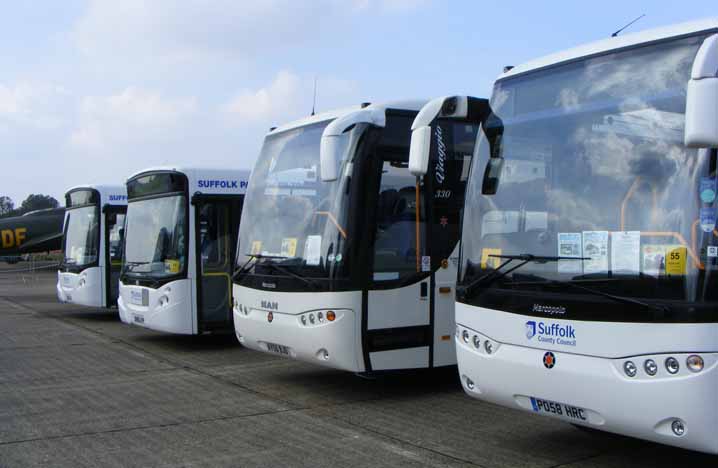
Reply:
x=92, y=91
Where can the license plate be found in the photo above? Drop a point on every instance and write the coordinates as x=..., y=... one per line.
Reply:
x=68, y=298
x=138, y=318
x=558, y=409
x=278, y=349
x=136, y=296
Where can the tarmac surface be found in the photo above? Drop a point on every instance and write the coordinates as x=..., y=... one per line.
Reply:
x=80, y=389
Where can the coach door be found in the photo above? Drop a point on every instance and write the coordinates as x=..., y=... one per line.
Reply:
x=114, y=245
x=217, y=221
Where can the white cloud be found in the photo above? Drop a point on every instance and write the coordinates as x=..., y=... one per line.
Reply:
x=131, y=116
x=32, y=105
x=287, y=97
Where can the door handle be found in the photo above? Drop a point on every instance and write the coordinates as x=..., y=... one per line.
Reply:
x=424, y=289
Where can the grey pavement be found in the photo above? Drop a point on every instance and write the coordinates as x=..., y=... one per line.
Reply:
x=80, y=389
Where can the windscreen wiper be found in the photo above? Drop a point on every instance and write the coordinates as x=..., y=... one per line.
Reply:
x=133, y=264
x=499, y=272
x=252, y=258
x=625, y=300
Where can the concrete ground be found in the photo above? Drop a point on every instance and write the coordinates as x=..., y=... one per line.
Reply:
x=78, y=388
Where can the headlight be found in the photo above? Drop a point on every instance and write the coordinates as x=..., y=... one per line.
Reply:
x=477, y=342
x=650, y=367
x=630, y=368
x=465, y=336
x=695, y=363
x=488, y=347
x=672, y=365
x=320, y=316
x=311, y=318
x=304, y=319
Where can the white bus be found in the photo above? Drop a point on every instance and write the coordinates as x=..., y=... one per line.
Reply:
x=180, y=245
x=346, y=259
x=92, y=245
x=586, y=289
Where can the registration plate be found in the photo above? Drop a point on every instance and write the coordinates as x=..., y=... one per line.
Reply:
x=278, y=349
x=558, y=409
x=136, y=296
x=68, y=298
x=138, y=318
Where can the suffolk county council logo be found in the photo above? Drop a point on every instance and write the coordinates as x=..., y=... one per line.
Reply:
x=549, y=360
x=530, y=329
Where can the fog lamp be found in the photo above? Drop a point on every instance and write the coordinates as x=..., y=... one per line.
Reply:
x=630, y=368
x=469, y=383
x=695, y=363
x=650, y=367
x=465, y=336
x=672, y=365
x=477, y=342
x=678, y=427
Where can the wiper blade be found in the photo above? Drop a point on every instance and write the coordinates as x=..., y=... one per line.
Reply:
x=625, y=300
x=252, y=258
x=499, y=272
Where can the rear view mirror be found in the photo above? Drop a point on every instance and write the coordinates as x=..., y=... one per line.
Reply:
x=419, y=150
x=492, y=175
x=701, y=129
x=328, y=164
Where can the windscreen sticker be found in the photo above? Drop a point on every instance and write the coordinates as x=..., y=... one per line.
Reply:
x=289, y=247
x=707, y=189
x=654, y=259
x=569, y=245
x=626, y=252
x=256, y=247
x=172, y=266
x=487, y=260
x=595, y=247
x=708, y=219
x=712, y=251
x=425, y=263
x=676, y=260
x=312, y=250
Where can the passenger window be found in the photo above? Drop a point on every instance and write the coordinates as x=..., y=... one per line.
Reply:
x=395, y=246
x=214, y=235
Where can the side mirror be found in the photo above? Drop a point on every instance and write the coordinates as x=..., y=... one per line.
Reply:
x=492, y=176
x=419, y=150
x=334, y=139
x=328, y=163
x=701, y=129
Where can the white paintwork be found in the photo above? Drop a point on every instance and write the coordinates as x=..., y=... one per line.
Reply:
x=178, y=315
x=341, y=338
x=408, y=358
x=701, y=129
x=641, y=407
x=93, y=291
x=399, y=307
x=621, y=41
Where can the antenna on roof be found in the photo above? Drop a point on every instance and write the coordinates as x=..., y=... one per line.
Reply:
x=314, y=99
x=620, y=30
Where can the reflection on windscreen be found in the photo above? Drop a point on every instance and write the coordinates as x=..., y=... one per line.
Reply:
x=289, y=211
x=595, y=167
x=155, y=237
x=82, y=236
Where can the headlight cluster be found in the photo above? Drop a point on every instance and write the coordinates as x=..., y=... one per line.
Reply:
x=476, y=340
x=672, y=365
x=314, y=318
x=81, y=283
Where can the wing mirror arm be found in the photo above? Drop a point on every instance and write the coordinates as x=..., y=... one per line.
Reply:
x=466, y=108
x=333, y=135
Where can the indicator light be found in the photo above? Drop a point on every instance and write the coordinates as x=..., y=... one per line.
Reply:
x=695, y=363
x=331, y=316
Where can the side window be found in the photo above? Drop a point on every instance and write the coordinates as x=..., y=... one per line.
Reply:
x=395, y=246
